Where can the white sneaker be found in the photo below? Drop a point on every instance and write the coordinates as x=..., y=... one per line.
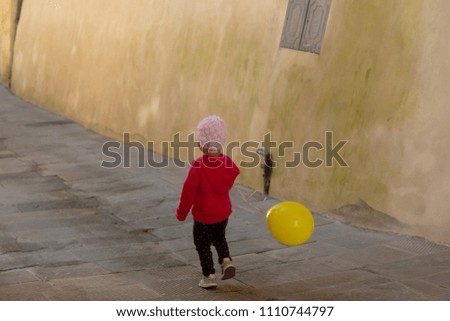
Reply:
x=228, y=271
x=207, y=283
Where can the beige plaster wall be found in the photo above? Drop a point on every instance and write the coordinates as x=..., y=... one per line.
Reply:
x=154, y=68
x=421, y=190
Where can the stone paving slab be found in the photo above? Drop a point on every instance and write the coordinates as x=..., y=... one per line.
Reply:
x=427, y=290
x=82, y=292
x=417, y=267
x=68, y=271
x=17, y=277
x=31, y=291
x=139, y=263
x=50, y=258
x=72, y=230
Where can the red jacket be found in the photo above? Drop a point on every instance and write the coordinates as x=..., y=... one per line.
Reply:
x=206, y=188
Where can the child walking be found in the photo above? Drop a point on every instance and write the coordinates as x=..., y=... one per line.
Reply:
x=206, y=193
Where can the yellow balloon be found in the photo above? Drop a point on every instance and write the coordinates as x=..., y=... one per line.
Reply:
x=290, y=223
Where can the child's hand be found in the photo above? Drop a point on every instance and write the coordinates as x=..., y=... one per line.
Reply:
x=181, y=218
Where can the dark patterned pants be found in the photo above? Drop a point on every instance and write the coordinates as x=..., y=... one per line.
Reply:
x=206, y=235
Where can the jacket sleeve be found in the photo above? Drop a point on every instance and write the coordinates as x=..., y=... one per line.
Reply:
x=188, y=193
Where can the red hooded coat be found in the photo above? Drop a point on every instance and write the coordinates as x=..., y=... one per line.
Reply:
x=206, y=189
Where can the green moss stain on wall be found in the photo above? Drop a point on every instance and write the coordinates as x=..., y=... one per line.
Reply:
x=365, y=79
x=197, y=50
x=375, y=63
x=9, y=13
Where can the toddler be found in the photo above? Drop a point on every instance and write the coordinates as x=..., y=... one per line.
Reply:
x=206, y=193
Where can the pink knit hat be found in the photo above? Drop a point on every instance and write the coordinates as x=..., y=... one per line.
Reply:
x=212, y=133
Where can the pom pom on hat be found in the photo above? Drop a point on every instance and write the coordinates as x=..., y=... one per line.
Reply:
x=212, y=133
